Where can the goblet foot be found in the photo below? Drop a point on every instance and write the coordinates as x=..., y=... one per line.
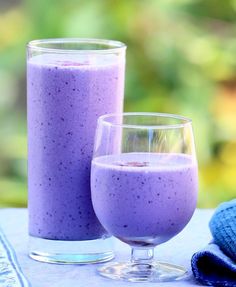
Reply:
x=144, y=272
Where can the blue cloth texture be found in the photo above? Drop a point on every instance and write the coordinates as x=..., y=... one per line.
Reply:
x=223, y=227
x=215, y=265
x=10, y=271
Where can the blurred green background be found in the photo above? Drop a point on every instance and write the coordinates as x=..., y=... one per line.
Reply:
x=181, y=58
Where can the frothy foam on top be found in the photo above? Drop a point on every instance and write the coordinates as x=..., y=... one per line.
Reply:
x=146, y=161
x=74, y=60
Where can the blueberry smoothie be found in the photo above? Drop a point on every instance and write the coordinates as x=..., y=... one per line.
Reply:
x=66, y=95
x=144, y=199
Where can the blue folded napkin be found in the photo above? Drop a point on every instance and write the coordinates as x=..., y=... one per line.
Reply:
x=10, y=271
x=215, y=265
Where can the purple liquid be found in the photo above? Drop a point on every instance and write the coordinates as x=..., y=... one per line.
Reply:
x=65, y=98
x=144, y=200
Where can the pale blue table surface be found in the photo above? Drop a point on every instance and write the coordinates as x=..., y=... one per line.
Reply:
x=178, y=251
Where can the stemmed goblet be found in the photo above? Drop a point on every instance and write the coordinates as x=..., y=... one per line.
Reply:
x=144, y=184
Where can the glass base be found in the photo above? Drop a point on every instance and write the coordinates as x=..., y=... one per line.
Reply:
x=71, y=252
x=136, y=272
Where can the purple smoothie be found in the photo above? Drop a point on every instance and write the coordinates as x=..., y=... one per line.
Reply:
x=144, y=199
x=65, y=98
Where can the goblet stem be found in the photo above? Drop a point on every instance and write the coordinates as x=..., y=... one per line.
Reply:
x=142, y=255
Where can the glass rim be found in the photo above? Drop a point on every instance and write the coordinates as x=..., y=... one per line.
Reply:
x=113, y=46
x=184, y=121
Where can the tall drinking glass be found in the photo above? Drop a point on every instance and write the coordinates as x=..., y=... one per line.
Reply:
x=70, y=83
x=144, y=184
